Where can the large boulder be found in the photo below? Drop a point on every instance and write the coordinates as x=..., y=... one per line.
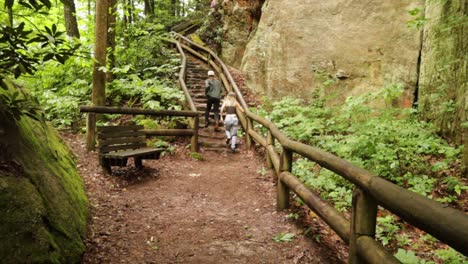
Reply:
x=443, y=84
x=240, y=19
x=43, y=205
x=443, y=81
x=348, y=47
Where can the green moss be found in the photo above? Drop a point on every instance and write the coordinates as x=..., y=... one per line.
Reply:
x=43, y=205
x=24, y=236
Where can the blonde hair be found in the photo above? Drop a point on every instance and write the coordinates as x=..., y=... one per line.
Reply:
x=230, y=99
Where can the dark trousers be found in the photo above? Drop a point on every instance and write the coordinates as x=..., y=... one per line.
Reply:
x=212, y=102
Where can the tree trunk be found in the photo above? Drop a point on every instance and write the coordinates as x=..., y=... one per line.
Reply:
x=130, y=9
x=89, y=7
x=111, y=19
x=99, y=76
x=100, y=44
x=149, y=8
x=69, y=15
x=175, y=7
x=10, y=16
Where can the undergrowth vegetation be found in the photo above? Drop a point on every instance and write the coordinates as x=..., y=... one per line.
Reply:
x=388, y=141
x=142, y=77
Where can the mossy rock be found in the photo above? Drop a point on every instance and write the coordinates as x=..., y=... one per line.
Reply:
x=43, y=205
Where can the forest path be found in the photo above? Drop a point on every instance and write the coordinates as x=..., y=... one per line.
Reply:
x=181, y=210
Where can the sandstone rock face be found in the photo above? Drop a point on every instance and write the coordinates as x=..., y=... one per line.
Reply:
x=346, y=47
x=443, y=80
x=240, y=20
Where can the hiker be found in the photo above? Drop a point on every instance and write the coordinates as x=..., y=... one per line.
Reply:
x=231, y=121
x=213, y=90
x=213, y=4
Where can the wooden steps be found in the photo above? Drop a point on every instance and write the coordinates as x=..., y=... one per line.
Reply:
x=210, y=140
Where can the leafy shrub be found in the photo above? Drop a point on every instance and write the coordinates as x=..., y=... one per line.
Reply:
x=389, y=141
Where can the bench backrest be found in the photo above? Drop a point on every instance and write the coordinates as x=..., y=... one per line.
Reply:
x=115, y=138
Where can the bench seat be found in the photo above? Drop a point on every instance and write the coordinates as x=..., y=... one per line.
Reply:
x=143, y=152
x=119, y=143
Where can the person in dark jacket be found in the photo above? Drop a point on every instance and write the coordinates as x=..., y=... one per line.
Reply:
x=213, y=90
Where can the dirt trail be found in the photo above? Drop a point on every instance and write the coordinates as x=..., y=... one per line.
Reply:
x=181, y=210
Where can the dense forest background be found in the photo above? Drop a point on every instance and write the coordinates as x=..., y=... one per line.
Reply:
x=411, y=131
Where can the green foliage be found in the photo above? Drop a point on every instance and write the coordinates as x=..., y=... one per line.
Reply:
x=386, y=229
x=294, y=216
x=386, y=140
x=262, y=171
x=284, y=237
x=61, y=88
x=196, y=156
x=389, y=141
x=407, y=257
x=145, y=51
x=418, y=20
x=14, y=105
x=450, y=256
x=20, y=51
x=454, y=185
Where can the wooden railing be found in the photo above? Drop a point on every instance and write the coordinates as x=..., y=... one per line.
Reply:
x=448, y=225
x=191, y=132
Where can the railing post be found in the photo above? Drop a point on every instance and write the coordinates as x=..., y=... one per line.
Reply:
x=282, y=197
x=363, y=221
x=270, y=141
x=248, y=138
x=91, y=131
x=194, y=139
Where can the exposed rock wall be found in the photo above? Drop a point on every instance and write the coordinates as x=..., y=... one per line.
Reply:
x=443, y=83
x=240, y=19
x=43, y=205
x=348, y=46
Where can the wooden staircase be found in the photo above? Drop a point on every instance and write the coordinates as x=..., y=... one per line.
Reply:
x=197, y=73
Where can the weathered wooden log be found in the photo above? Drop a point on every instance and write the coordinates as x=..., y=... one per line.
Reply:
x=248, y=138
x=266, y=123
x=270, y=142
x=135, y=111
x=275, y=158
x=182, y=73
x=258, y=138
x=373, y=252
x=197, y=54
x=363, y=221
x=91, y=131
x=446, y=224
x=169, y=132
x=282, y=196
x=242, y=120
x=325, y=211
x=194, y=140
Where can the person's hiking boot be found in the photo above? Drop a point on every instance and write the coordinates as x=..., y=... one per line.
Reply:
x=228, y=141
x=216, y=126
x=232, y=150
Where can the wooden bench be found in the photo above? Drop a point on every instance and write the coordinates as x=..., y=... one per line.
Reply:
x=118, y=143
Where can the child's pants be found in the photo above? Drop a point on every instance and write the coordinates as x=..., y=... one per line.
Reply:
x=230, y=124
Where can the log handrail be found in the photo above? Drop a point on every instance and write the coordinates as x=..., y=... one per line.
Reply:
x=447, y=224
x=135, y=111
x=192, y=132
x=182, y=73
